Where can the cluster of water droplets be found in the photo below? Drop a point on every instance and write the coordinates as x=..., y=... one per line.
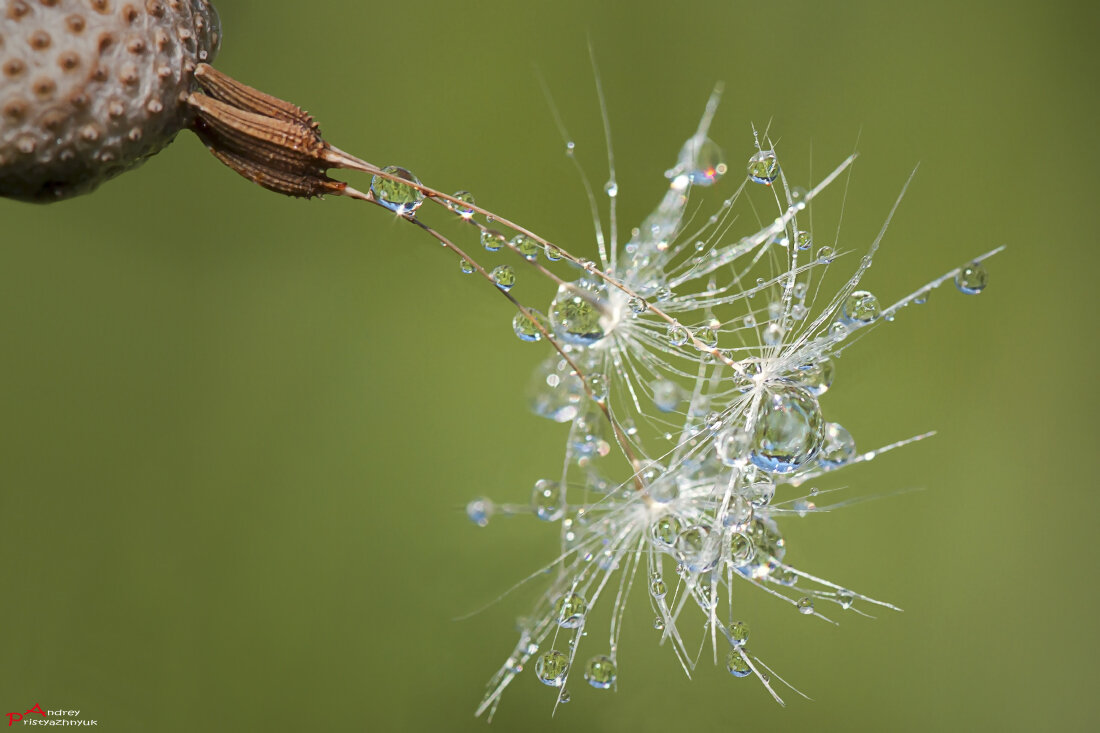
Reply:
x=702, y=359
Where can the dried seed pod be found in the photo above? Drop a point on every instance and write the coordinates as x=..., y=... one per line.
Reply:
x=91, y=88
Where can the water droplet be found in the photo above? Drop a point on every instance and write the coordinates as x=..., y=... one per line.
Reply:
x=763, y=167
x=492, y=240
x=525, y=328
x=677, y=335
x=611, y=188
x=845, y=599
x=479, y=510
x=805, y=605
x=564, y=697
x=548, y=500
x=467, y=266
x=504, y=276
x=525, y=246
x=659, y=623
x=972, y=279
x=666, y=529
x=394, y=195
x=760, y=492
x=599, y=386
x=749, y=321
x=698, y=548
x=789, y=429
x=575, y=317
x=708, y=163
x=462, y=208
x=551, y=668
x=838, y=447
x=657, y=587
x=571, y=609
x=552, y=253
x=765, y=549
x=739, y=514
x=736, y=664
x=803, y=240
x=773, y=334
x=707, y=336
x=637, y=305
x=739, y=633
x=667, y=395
x=817, y=376
x=861, y=307
x=825, y=254
x=664, y=294
x=600, y=672
x=732, y=445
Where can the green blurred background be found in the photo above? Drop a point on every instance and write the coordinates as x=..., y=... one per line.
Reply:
x=238, y=431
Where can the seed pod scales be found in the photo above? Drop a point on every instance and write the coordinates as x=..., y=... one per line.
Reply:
x=91, y=88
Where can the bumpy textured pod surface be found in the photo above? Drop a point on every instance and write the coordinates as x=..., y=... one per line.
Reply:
x=91, y=88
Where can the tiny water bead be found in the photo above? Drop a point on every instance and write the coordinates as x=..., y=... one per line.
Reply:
x=657, y=587
x=739, y=514
x=637, y=305
x=736, y=664
x=708, y=163
x=552, y=253
x=600, y=672
x=789, y=429
x=394, y=195
x=611, y=188
x=564, y=697
x=479, y=510
x=739, y=633
x=575, y=317
x=845, y=599
x=548, y=500
x=525, y=246
x=707, y=336
x=802, y=240
x=972, y=279
x=467, y=267
x=861, y=307
x=838, y=447
x=763, y=167
x=773, y=334
x=504, y=277
x=571, y=609
x=551, y=668
x=805, y=605
x=463, y=205
x=527, y=329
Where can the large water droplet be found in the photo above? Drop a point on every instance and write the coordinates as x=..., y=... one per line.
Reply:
x=394, y=195
x=525, y=328
x=763, y=167
x=600, y=672
x=736, y=664
x=789, y=429
x=972, y=279
x=571, y=609
x=551, y=668
x=861, y=307
x=548, y=500
x=575, y=317
x=838, y=447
